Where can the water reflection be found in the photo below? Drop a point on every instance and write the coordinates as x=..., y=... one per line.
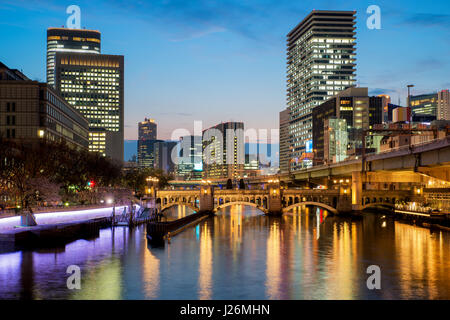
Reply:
x=242, y=254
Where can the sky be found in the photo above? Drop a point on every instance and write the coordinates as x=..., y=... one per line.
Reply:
x=225, y=60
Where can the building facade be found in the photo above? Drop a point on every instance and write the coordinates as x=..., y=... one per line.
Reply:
x=425, y=104
x=163, y=156
x=321, y=62
x=189, y=162
x=443, y=107
x=353, y=105
x=30, y=110
x=147, y=137
x=284, y=142
x=335, y=140
x=224, y=151
x=69, y=40
x=94, y=85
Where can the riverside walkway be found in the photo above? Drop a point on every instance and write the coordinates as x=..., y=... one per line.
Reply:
x=48, y=218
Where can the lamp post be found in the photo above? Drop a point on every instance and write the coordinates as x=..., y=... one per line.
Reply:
x=152, y=181
x=409, y=94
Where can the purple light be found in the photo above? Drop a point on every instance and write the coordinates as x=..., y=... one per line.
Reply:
x=61, y=217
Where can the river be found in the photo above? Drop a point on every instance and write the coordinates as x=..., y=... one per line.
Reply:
x=242, y=254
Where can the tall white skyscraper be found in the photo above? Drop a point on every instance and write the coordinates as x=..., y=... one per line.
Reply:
x=321, y=63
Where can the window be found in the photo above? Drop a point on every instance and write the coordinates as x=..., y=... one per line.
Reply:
x=8, y=107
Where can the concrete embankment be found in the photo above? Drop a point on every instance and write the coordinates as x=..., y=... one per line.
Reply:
x=51, y=234
x=158, y=231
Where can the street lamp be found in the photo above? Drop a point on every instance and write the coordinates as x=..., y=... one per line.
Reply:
x=409, y=94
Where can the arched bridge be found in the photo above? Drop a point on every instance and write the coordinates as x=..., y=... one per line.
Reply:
x=272, y=200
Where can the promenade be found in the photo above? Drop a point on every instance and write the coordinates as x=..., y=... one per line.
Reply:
x=58, y=217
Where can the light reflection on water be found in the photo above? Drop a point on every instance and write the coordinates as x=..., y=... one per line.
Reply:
x=242, y=254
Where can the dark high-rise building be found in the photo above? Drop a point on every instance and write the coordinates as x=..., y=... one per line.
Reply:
x=69, y=40
x=353, y=105
x=163, y=156
x=224, y=151
x=30, y=110
x=147, y=137
x=320, y=63
x=94, y=85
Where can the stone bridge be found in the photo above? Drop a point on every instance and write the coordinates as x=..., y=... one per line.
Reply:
x=274, y=200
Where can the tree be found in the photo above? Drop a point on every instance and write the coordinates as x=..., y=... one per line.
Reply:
x=241, y=184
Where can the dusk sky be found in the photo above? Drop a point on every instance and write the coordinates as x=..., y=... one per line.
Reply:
x=226, y=60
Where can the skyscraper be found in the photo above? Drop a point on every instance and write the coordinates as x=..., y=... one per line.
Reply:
x=147, y=134
x=443, y=108
x=320, y=64
x=94, y=84
x=224, y=151
x=284, y=141
x=163, y=156
x=69, y=40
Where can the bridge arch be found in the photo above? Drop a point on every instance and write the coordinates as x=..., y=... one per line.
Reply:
x=173, y=204
x=244, y=203
x=311, y=203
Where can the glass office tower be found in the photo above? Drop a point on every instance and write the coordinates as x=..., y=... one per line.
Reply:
x=320, y=63
x=69, y=40
x=147, y=134
x=94, y=84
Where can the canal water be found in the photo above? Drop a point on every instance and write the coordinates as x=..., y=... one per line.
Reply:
x=242, y=254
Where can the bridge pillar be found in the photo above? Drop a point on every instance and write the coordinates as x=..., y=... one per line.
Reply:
x=206, y=198
x=357, y=186
x=274, y=205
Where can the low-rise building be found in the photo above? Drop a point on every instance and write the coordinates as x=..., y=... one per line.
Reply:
x=33, y=110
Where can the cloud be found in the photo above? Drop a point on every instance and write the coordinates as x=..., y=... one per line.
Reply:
x=378, y=91
x=185, y=20
x=198, y=34
x=429, y=63
x=429, y=20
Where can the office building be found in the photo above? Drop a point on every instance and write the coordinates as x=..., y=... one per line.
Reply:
x=320, y=63
x=335, y=140
x=30, y=110
x=401, y=115
x=69, y=40
x=389, y=117
x=94, y=85
x=385, y=101
x=353, y=105
x=147, y=137
x=224, y=151
x=425, y=104
x=163, y=156
x=284, y=142
x=189, y=162
x=148, y=129
x=443, y=107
